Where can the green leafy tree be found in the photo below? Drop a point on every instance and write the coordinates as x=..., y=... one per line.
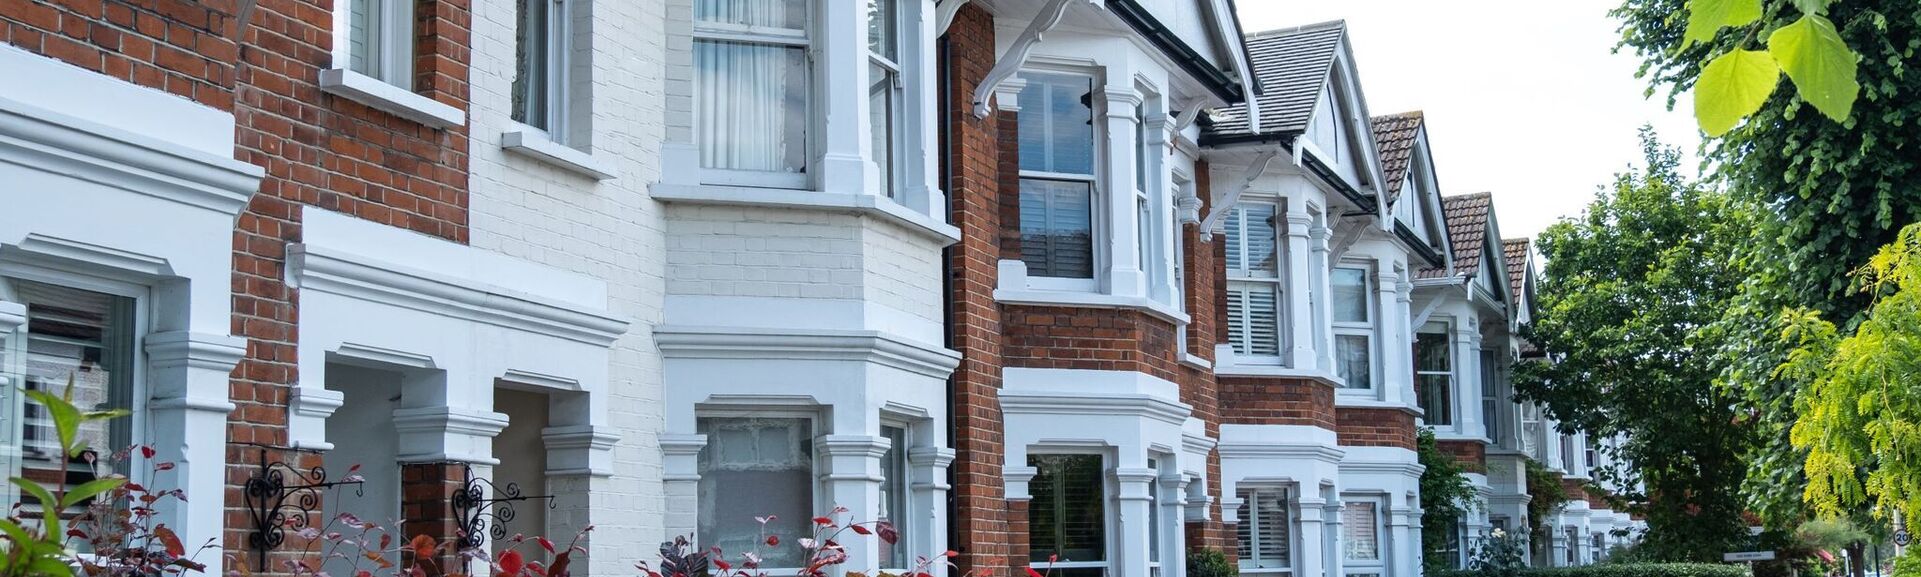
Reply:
x=1832, y=192
x=1628, y=286
x=1860, y=413
x=1446, y=497
x=1739, y=79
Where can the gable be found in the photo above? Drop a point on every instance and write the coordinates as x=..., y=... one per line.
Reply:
x=1344, y=146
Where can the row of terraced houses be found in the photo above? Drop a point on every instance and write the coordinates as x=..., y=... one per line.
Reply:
x=1099, y=281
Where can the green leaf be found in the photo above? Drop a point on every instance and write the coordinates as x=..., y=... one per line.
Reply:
x=49, y=506
x=66, y=417
x=1811, y=6
x=1707, y=17
x=1819, y=62
x=1731, y=87
x=89, y=489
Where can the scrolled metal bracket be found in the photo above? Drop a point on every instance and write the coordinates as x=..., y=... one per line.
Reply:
x=270, y=497
x=476, y=512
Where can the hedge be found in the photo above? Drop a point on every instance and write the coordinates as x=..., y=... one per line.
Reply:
x=1620, y=570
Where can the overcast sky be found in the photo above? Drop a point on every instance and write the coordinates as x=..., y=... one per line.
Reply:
x=1523, y=98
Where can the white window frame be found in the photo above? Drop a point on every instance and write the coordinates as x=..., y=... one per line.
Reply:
x=814, y=420
x=558, y=38
x=1494, y=420
x=773, y=37
x=1156, y=541
x=1440, y=330
x=392, y=39
x=1274, y=280
x=1378, y=565
x=138, y=425
x=1365, y=329
x=1099, y=231
x=902, y=521
x=1177, y=237
x=1108, y=534
x=1290, y=511
x=892, y=161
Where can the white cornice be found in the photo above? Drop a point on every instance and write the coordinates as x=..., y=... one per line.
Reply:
x=48, y=141
x=1321, y=453
x=323, y=269
x=706, y=342
x=1121, y=405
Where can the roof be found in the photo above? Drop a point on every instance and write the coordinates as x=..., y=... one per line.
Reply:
x=1394, y=135
x=1514, y=251
x=1291, y=66
x=1467, y=216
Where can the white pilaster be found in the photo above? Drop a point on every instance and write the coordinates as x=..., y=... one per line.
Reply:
x=1132, y=502
x=187, y=386
x=1313, y=536
x=1304, y=336
x=680, y=464
x=927, y=512
x=1114, y=111
x=853, y=479
x=842, y=166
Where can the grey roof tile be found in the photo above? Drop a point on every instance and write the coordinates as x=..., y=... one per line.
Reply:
x=1291, y=65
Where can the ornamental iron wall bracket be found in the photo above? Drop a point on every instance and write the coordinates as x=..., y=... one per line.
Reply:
x=476, y=511
x=268, y=493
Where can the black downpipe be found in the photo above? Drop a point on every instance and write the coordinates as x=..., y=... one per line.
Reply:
x=945, y=84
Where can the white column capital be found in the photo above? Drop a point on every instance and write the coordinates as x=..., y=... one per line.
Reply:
x=12, y=316
x=580, y=450
x=437, y=434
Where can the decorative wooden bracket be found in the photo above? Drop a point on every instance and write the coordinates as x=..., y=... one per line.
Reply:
x=944, y=15
x=1190, y=110
x=1224, y=202
x=1348, y=232
x=1016, y=56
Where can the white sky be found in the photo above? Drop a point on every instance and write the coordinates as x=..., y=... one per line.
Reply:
x=1523, y=97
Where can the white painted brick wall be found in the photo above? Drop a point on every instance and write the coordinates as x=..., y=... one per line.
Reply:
x=611, y=230
x=803, y=254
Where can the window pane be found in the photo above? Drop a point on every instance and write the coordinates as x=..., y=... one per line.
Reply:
x=1143, y=232
x=363, y=37
x=1360, y=531
x=1491, y=407
x=530, y=63
x=1142, y=154
x=786, y=14
x=1350, y=295
x=1067, y=515
x=1251, y=240
x=1253, y=318
x=756, y=467
x=880, y=119
x=1057, y=229
x=1264, y=529
x=1353, y=358
x=1154, y=514
x=751, y=106
x=1057, y=123
x=1436, y=398
x=882, y=30
x=1431, y=353
x=73, y=338
x=893, y=497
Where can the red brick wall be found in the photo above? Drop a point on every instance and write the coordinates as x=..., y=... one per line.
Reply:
x=1471, y=455
x=1575, y=489
x=1089, y=338
x=317, y=149
x=426, y=493
x=1277, y=401
x=180, y=46
x=1370, y=427
x=986, y=525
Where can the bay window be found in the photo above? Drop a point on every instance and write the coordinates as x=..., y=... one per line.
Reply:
x=541, y=45
x=74, y=341
x=1057, y=176
x=1361, y=529
x=757, y=466
x=1353, y=320
x=1254, y=282
x=1154, y=520
x=380, y=40
x=1067, y=515
x=752, y=90
x=1434, y=378
x=1265, y=532
x=884, y=94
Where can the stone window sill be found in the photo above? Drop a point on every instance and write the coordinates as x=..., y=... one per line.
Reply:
x=533, y=144
x=389, y=98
